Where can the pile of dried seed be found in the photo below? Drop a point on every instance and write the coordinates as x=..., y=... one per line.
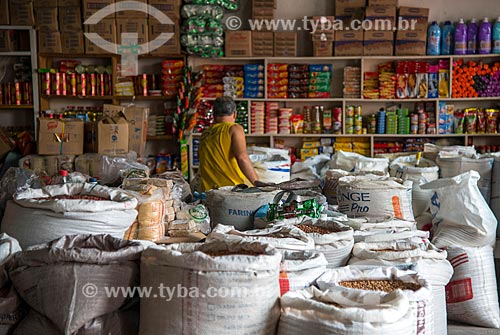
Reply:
x=380, y=285
x=73, y=197
x=307, y=228
x=227, y=253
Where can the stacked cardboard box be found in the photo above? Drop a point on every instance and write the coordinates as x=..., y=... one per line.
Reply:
x=106, y=27
x=263, y=43
x=323, y=36
x=263, y=9
x=348, y=10
x=411, y=40
x=285, y=44
x=171, y=8
x=49, y=36
x=4, y=12
x=238, y=43
x=21, y=12
x=379, y=30
x=9, y=41
x=70, y=19
x=349, y=43
x=60, y=137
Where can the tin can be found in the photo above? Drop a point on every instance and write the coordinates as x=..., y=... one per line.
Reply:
x=1, y=94
x=144, y=85
x=414, y=129
x=46, y=83
x=93, y=85
x=357, y=111
x=84, y=84
x=349, y=112
x=108, y=88
x=58, y=83
x=102, y=91
x=8, y=93
x=64, y=83
x=349, y=130
x=18, y=95
x=73, y=85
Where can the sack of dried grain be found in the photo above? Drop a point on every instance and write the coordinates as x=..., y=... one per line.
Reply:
x=415, y=287
x=41, y=215
x=227, y=287
x=353, y=162
x=67, y=279
x=300, y=269
x=89, y=164
x=349, y=312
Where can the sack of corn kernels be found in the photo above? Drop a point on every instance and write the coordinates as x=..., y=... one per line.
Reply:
x=427, y=260
x=300, y=269
x=220, y=287
x=282, y=237
x=68, y=280
x=332, y=239
x=349, y=312
x=387, y=279
x=41, y=215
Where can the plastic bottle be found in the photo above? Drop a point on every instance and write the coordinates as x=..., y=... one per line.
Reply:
x=496, y=37
x=447, y=35
x=485, y=37
x=472, y=32
x=433, y=39
x=63, y=177
x=461, y=38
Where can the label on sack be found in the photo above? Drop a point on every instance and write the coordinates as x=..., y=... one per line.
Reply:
x=459, y=291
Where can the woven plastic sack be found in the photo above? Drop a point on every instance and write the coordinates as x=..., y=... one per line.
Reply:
x=353, y=162
x=300, y=269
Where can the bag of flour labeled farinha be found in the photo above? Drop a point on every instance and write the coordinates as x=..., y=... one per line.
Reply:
x=220, y=287
x=346, y=312
x=353, y=162
x=461, y=215
x=374, y=196
x=471, y=295
x=386, y=279
x=284, y=237
x=300, y=269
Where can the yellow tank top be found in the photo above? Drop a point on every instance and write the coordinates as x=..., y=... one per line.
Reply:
x=218, y=167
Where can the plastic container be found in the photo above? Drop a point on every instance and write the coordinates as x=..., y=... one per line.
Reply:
x=461, y=38
x=496, y=37
x=447, y=37
x=472, y=32
x=485, y=37
x=63, y=177
x=434, y=39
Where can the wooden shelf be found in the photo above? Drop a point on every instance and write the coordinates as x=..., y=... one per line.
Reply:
x=81, y=97
x=160, y=138
x=143, y=97
x=16, y=106
x=15, y=53
x=71, y=56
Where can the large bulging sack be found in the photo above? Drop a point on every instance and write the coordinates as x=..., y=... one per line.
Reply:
x=300, y=269
x=271, y=165
x=353, y=162
x=495, y=190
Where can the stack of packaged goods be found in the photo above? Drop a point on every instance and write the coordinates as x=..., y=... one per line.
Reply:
x=172, y=71
x=479, y=121
x=422, y=80
x=203, y=117
x=277, y=81
x=202, y=30
x=272, y=123
x=473, y=79
x=242, y=114
x=337, y=120
x=446, y=119
x=387, y=81
x=391, y=122
x=257, y=117
x=150, y=84
x=233, y=81
x=408, y=145
x=213, y=84
x=357, y=145
x=156, y=125
x=320, y=77
x=254, y=81
x=284, y=120
x=433, y=82
x=298, y=81
x=354, y=120
x=352, y=82
x=444, y=78
x=403, y=121
x=370, y=85
x=310, y=147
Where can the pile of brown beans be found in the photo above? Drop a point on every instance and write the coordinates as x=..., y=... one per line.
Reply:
x=73, y=197
x=380, y=285
x=227, y=253
x=308, y=228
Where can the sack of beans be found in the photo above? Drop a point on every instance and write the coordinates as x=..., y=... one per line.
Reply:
x=300, y=269
x=226, y=287
x=353, y=162
x=471, y=295
x=347, y=312
x=67, y=280
x=427, y=260
x=374, y=196
x=41, y=215
x=282, y=237
x=332, y=239
x=386, y=279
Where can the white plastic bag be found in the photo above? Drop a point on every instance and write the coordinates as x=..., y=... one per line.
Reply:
x=312, y=168
x=353, y=162
x=271, y=165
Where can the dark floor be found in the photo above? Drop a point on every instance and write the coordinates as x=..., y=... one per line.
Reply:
x=455, y=328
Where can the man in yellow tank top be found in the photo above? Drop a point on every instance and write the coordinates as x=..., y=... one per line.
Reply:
x=223, y=150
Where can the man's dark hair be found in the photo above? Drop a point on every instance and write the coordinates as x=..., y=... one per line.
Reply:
x=224, y=106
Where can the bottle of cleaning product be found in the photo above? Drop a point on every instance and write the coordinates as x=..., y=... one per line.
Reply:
x=447, y=34
x=496, y=37
x=433, y=39
x=472, y=32
x=485, y=37
x=461, y=38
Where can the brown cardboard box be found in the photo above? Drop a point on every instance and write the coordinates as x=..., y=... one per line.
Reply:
x=56, y=137
x=347, y=14
x=131, y=10
x=381, y=17
x=70, y=18
x=238, y=43
x=349, y=43
x=113, y=111
x=171, y=8
x=90, y=7
x=378, y=43
x=133, y=25
x=6, y=144
x=322, y=48
x=410, y=43
x=137, y=118
x=4, y=12
x=8, y=41
x=45, y=3
x=46, y=18
x=172, y=46
x=262, y=43
x=69, y=3
x=72, y=42
x=419, y=16
x=107, y=30
x=285, y=44
x=325, y=28
x=112, y=136
x=21, y=13
x=49, y=41
x=383, y=3
x=350, y=3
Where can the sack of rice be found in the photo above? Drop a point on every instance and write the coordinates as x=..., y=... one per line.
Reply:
x=228, y=287
x=68, y=280
x=300, y=269
x=41, y=215
x=353, y=162
x=282, y=237
x=347, y=312
x=374, y=196
x=386, y=279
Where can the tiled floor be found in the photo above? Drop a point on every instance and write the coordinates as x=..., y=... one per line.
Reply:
x=455, y=328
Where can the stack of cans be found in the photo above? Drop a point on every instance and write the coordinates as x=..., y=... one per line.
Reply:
x=381, y=118
x=391, y=126
x=403, y=121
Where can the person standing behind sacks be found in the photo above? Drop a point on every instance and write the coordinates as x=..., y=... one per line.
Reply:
x=223, y=153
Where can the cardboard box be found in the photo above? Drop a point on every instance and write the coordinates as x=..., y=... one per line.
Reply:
x=410, y=43
x=383, y=3
x=137, y=118
x=349, y=43
x=70, y=18
x=325, y=28
x=238, y=43
x=350, y=3
x=45, y=3
x=107, y=30
x=262, y=43
x=21, y=13
x=69, y=3
x=113, y=111
x=322, y=48
x=6, y=144
x=60, y=137
x=4, y=12
x=285, y=44
x=112, y=136
x=49, y=41
x=131, y=10
x=171, y=8
x=378, y=43
x=137, y=26
x=171, y=47
x=8, y=41
x=381, y=17
x=347, y=14
x=72, y=42
x=414, y=12
x=90, y=7
x=46, y=18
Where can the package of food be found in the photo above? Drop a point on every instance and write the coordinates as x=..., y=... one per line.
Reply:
x=471, y=120
x=459, y=122
x=481, y=121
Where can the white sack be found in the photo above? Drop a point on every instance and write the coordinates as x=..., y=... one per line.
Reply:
x=495, y=190
x=300, y=269
x=271, y=165
x=353, y=162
